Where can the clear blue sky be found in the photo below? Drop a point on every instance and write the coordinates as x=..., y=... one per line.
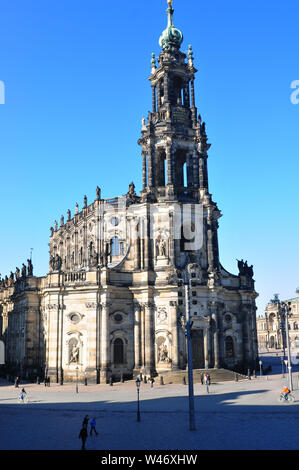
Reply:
x=76, y=86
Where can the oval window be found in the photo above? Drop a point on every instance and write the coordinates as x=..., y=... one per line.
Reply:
x=118, y=318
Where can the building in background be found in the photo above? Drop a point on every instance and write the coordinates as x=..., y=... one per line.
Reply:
x=113, y=301
x=270, y=330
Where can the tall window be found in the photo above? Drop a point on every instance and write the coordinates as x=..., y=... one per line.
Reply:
x=229, y=347
x=118, y=351
x=115, y=251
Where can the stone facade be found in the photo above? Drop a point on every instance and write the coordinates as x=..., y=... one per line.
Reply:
x=269, y=329
x=113, y=301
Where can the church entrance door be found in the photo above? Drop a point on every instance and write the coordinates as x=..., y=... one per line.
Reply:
x=197, y=349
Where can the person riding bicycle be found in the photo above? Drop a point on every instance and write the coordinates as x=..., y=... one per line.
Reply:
x=285, y=393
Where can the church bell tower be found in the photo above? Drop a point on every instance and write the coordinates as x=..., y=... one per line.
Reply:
x=174, y=141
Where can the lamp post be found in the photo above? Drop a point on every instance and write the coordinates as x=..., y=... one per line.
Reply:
x=188, y=327
x=283, y=312
x=286, y=309
x=138, y=408
x=77, y=369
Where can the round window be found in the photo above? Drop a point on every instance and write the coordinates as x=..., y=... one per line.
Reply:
x=118, y=318
x=74, y=318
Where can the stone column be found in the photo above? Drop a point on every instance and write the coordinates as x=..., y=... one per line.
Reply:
x=144, y=172
x=195, y=160
x=206, y=346
x=216, y=343
x=98, y=339
x=158, y=96
x=201, y=172
x=154, y=99
x=175, y=335
x=149, y=339
x=137, y=336
x=150, y=166
x=166, y=88
x=142, y=330
x=105, y=343
x=168, y=151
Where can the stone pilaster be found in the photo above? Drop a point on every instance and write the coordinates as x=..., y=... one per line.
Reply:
x=175, y=334
x=105, y=343
x=206, y=346
x=149, y=339
x=137, y=337
x=144, y=172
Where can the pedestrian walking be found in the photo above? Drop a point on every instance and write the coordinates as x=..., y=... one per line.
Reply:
x=201, y=378
x=152, y=380
x=17, y=381
x=85, y=421
x=83, y=435
x=93, y=426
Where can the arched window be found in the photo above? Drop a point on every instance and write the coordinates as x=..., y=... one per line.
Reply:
x=229, y=347
x=118, y=351
x=115, y=246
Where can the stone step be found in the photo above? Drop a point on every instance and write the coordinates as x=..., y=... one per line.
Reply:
x=216, y=375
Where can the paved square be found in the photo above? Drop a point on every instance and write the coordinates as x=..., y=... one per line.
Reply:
x=234, y=415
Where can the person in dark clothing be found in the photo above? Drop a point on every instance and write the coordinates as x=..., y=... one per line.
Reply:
x=17, y=382
x=83, y=435
x=201, y=378
x=152, y=380
x=85, y=421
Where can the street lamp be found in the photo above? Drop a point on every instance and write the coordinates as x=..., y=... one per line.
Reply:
x=77, y=369
x=286, y=309
x=283, y=312
x=188, y=327
x=138, y=408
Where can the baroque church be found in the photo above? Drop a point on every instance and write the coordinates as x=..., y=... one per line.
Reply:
x=113, y=302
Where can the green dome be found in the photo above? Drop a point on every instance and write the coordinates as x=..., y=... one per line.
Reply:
x=171, y=36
